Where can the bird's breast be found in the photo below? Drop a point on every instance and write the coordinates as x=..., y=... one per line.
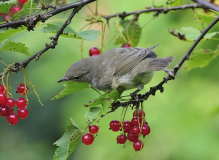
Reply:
x=130, y=81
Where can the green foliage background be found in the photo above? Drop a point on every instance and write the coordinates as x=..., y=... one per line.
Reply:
x=184, y=120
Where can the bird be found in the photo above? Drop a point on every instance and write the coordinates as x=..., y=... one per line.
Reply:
x=119, y=67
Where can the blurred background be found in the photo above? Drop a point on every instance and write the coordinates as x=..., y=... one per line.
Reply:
x=184, y=120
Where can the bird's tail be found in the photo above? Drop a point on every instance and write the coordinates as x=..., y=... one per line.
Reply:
x=158, y=64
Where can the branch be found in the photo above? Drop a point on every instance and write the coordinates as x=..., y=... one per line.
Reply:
x=206, y=4
x=153, y=90
x=31, y=21
x=153, y=9
x=19, y=66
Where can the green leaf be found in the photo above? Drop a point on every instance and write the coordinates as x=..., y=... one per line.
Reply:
x=173, y=3
x=114, y=95
x=201, y=58
x=93, y=113
x=54, y=27
x=105, y=101
x=5, y=6
x=89, y=35
x=7, y=45
x=9, y=33
x=71, y=87
x=190, y=34
x=68, y=142
x=205, y=18
x=131, y=32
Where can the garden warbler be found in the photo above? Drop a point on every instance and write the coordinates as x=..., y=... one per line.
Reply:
x=126, y=67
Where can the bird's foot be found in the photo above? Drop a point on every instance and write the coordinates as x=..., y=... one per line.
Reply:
x=134, y=96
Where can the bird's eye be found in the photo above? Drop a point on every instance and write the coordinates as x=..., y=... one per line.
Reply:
x=76, y=77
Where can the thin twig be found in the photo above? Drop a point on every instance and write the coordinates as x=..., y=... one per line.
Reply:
x=153, y=9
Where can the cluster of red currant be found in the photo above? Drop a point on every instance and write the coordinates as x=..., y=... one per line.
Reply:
x=94, y=51
x=88, y=138
x=132, y=130
x=14, y=9
x=7, y=105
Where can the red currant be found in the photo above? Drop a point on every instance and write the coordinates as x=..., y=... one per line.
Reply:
x=10, y=110
x=127, y=126
x=10, y=102
x=22, y=113
x=6, y=17
x=2, y=89
x=115, y=125
x=21, y=102
x=145, y=130
x=138, y=145
x=131, y=137
x=12, y=118
x=4, y=111
x=87, y=138
x=126, y=45
x=137, y=121
x=94, y=51
x=3, y=98
x=138, y=113
x=22, y=89
x=14, y=10
x=93, y=129
x=22, y=2
x=135, y=131
x=121, y=139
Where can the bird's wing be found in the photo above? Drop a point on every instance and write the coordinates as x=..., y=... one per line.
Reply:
x=130, y=57
x=120, y=62
x=152, y=64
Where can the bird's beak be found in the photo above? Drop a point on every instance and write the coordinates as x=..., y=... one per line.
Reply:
x=62, y=80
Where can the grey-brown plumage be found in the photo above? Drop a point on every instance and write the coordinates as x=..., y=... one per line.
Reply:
x=127, y=67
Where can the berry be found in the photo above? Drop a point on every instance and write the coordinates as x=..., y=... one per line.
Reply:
x=87, y=138
x=6, y=17
x=121, y=139
x=22, y=2
x=14, y=10
x=22, y=113
x=3, y=98
x=22, y=89
x=94, y=51
x=127, y=126
x=145, y=130
x=115, y=125
x=10, y=102
x=12, y=118
x=138, y=113
x=93, y=129
x=2, y=89
x=135, y=131
x=21, y=102
x=138, y=145
x=1, y=14
x=137, y=121
x=4, y=111
x=131, y=137
x=10, y=110
x=126, y=45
